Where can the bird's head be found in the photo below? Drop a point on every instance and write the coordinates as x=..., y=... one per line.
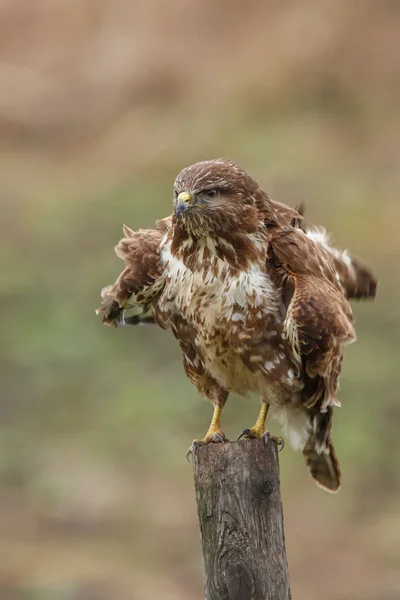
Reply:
x=213, y=196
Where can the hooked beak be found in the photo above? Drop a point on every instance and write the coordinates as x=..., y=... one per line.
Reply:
x=183, y=203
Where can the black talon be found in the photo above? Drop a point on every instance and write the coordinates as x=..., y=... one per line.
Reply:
x=279, y=442
x=217, y=437
x=191, y=451
x=244, y=432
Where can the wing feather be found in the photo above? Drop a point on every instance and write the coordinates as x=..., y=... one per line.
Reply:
x=318, y=322
x=355, y=279
x=140, y=282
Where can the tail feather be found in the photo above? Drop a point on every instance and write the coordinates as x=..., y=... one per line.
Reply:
x=322, y=425
x=324, y=467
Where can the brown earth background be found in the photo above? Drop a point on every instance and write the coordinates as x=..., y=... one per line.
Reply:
x=102, y=102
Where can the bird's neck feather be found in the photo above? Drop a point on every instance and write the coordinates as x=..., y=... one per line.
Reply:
x=237, y=249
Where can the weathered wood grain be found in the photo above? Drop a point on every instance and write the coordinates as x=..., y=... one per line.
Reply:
x=241, y=521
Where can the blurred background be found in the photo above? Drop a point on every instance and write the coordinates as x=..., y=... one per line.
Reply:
x=102, y=103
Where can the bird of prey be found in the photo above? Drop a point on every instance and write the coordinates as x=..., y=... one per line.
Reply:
x=257, y=301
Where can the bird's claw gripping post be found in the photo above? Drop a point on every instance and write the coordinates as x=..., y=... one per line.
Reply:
x=254, y=434
x=216, y=437
x=258, y=431
x=280, y=442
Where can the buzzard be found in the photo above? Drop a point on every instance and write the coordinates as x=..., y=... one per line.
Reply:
x=258, y=302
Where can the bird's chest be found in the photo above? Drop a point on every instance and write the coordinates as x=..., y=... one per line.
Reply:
x=217, y=301
x=191, y=293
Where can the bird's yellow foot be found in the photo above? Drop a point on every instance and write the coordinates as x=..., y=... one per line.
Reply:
x=213, y=435
x=257, y=432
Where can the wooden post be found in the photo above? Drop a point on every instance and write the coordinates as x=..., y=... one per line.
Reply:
x=241, y=521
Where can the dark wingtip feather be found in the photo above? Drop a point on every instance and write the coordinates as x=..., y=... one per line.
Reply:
x=366, y=283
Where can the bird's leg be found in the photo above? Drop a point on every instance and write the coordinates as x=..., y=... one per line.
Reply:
x=214, y=433
x=258, y=430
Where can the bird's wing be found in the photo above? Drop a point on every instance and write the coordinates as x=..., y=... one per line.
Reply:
x=355, y=280
x=318, y=322
x=129, y=299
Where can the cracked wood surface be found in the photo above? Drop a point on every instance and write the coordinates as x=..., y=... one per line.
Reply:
x=241, y=521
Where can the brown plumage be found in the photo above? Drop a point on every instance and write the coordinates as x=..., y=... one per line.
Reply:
x=258, y=303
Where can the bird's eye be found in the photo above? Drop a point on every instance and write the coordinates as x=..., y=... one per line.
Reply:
x=212, y=193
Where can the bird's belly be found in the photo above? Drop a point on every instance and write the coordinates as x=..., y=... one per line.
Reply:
x=272, y=378
x=230, y=371
x=233, y=323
